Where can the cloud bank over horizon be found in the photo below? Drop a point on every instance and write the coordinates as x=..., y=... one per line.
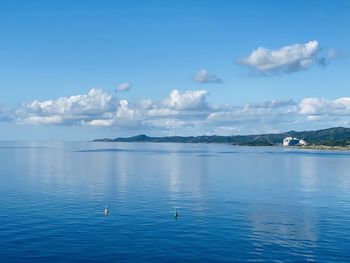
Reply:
x=190, y=111
x=180, y=113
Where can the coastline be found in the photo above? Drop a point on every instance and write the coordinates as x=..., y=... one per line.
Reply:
x=324, y=148
x=307, y=147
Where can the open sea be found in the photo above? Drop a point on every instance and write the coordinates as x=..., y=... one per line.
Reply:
x=235, y=204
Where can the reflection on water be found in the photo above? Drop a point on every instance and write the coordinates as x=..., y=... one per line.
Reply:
x=235, y=203
x=308, y=174
x=283, y=226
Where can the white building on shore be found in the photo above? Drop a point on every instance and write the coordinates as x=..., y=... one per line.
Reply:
x=290, y=141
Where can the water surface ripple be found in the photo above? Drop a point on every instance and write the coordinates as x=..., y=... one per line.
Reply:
x=264, y=204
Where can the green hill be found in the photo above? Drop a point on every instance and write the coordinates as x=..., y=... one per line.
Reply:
x=329, y=137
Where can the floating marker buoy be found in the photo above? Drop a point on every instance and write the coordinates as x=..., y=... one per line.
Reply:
x=176, y=214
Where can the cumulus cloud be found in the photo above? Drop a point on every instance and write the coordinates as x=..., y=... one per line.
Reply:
x=203, y=76
x=184, y=111
x=188, y=100
x=319, y=106
x=123, y=87
x=125, y=112
x=68, y=110
x=100, y=108
x=287, y=59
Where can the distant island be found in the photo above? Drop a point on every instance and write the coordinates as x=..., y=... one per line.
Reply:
x=338, y=137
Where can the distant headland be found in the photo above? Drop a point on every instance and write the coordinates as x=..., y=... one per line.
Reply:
x=338, y=137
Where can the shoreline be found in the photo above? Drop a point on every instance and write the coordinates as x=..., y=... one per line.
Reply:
x=307, y=147
x=324, y=148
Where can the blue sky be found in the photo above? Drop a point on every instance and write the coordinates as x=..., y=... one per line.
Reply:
x=186, y=67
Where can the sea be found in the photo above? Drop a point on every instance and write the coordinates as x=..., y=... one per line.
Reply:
x=234, y=204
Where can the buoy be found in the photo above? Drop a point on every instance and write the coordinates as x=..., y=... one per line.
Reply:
x=106, y=211
x=176, y=214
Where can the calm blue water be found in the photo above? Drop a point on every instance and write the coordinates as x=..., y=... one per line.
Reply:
x=235, y=203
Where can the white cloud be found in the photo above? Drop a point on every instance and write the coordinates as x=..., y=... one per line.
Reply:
x=101, y=123
x=165, y=123
x=54, y=119
x=100, y=108
x=95, y=101
x=203, y=76
x=125, y=112
x=318, y=106
x=272, y=104
x=252, y=113
x=158, y=111
x=287, y=59
x=146, y=104
x=185, y=112
x=313, y=118
x=68, y=110
x=188, y=100
x=124, y=87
